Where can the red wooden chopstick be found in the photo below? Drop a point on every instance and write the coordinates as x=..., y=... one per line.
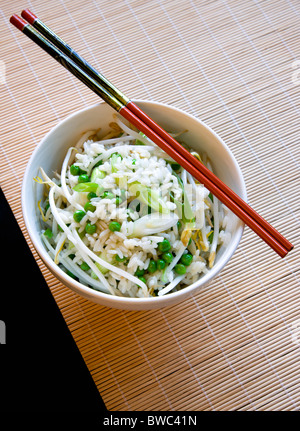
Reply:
x=58, y=49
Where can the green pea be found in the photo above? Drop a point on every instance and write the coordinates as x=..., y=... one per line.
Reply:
x=118, y=200
x=161, y=264
x=143, y=280
x=84, y=266
x=164, y=246
x=91, y=195
x=75, y=170
x=90, y=228
x=114, y=226
x=78, y=215
x=152, y=267
x=89, y=207
x=175, y=166
x=186, y=259
x=139, y=272
x=167, y=257
x=107, y=195
x=180, y=269
x=83, y=178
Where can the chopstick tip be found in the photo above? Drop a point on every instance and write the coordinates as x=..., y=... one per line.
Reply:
x=28, y=15
x=18, y=22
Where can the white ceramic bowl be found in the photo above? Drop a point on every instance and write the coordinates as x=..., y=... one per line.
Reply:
x=50, y=153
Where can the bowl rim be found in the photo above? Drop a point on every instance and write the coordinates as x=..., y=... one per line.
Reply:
x=111, y=300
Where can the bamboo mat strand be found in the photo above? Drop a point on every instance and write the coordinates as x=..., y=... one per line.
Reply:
x=236, y=344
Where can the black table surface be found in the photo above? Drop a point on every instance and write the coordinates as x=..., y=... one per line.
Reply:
x=41, y=367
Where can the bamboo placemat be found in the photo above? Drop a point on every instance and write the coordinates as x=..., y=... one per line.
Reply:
x=234, y=64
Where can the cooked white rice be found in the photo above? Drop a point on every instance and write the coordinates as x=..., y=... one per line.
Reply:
x=115, y=245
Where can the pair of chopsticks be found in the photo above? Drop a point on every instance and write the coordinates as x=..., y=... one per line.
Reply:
x=43, y=36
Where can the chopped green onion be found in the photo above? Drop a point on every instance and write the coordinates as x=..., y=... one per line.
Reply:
x=149, y=197
x=48, y=233
x=86, y=187
x=97, y=174
x=138, y=142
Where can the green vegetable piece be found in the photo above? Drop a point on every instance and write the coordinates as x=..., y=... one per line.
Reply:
x=113, y=160
x=186, y=259
x=138, y=142
x=75, y=170
x=210, y=236
x=91, y=195
x=180, y=269
x=90, y=228
x=164, y=246
x=120, y=259
x=114, y=226
x=84, y=266
x=118, y=200
x=161, y=264
x=149, y=197
x=89, y=207
x=100, y=162
x=86, y=187
x=83, y=178
x=167, y=257
x=143, y=280
x=97, y=174
x=139, y=272
x=152, y=267
x=175, y=166
x=107, y=195
x=48, y=233
x=78, y=215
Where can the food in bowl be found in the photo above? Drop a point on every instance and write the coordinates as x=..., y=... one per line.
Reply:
x=123, y=218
